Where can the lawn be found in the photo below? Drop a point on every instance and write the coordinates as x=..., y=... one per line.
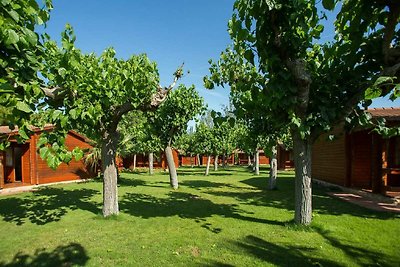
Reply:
x=226, y=219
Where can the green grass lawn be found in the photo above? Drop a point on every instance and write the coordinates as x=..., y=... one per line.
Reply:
x=226, y=219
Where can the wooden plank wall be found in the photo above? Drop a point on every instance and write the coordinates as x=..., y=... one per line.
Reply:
x=361, y=158
x=329, y=159
x=74, y=171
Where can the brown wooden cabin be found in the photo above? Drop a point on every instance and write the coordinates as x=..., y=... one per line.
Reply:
x=284, y=158
x=243, y=158
x=20, y=164
x=360, y=159
x=142, y=160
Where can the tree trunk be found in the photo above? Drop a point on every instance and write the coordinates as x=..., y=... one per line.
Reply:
x=223, y=161
x=248, y=160
x=191, y=160
x=257, y=162
x=151, y=159
x=173, y=177
x=303, y=194
x=110, y=189
x=208, y=165
x=216, y=163
x=273, y=168
x=198, y=160
x=134, y=162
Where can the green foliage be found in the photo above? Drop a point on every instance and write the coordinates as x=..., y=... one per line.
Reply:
x=181, y=106
x=20, y=58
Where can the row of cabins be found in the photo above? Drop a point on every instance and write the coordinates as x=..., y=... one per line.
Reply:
x=360, y=158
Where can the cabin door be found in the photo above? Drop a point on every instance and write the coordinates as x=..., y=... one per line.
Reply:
x=18, y=163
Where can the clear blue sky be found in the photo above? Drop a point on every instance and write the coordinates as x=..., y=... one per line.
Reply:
x=169, y=32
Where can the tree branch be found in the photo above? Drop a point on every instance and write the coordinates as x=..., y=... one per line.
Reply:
x=162, y=93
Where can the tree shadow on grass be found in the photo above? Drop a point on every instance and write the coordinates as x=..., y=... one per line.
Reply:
x=282, y=255
x=48, y=204
x=69, y=255
x=186, y=206
x=360, y=256
x=131, y=182
x=206, y=184
x=283, y=198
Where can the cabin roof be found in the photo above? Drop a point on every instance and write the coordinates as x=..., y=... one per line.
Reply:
x=390, y=114
x=7, y=130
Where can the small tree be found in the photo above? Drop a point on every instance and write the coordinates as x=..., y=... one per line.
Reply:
x=171, y=121
x=93, y=93
x=204, y=142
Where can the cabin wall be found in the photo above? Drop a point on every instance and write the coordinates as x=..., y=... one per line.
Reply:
x=361, y=158
x=75, y=170
x=142, y=161
x=329, y=159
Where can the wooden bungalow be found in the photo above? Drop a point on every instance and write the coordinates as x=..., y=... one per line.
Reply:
x=284, y=158
x=361, y=158
x=243, y=158
x=142, y=160
x=20, y=164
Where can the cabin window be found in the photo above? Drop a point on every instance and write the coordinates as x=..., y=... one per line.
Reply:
x=9, y=157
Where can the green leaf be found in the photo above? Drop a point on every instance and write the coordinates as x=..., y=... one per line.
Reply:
x=372, y=92
x=328, y=4
x=14, y=15
x=77, y=153
x=12, y=37
x=22, y=133
x=382, y=80
x=62, y=72
x=43, y=152
x=23, y=107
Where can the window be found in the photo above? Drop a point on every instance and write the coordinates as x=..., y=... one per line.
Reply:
x=9, y=157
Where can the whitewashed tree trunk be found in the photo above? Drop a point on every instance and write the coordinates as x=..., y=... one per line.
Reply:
x=191, y=160
x=134, y=162
x=248, y=160
x=257, y=162
x=173, y=176
x=216, y=163
x=110, y=189
x=303, y=194
x=151, y=161
x=198, y=160
x=208, y=165
x=273, y=168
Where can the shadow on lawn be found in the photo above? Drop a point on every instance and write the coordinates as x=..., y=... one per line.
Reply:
x=46, y=205
x=69, y=255
x=360, y=256
x=187, y=206
x=283, y=198
x=282, y=255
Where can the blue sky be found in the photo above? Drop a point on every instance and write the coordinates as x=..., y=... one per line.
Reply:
x=169, y=32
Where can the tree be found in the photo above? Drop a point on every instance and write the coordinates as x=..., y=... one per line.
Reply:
x=171, y=121
x=204, y=142
x=20, y=60
x=93, y=93
x=311, y=87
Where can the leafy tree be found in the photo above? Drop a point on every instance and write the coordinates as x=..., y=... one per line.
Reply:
x=186, y=144
x=204, y=142
x=92, y=93
x=171, y=121
x=20, y=58
x=311, y=87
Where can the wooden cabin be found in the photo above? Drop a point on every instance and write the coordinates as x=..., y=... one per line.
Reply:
x=243, y=158
x=142, y=160
x=361, y=158
x=20, y=164
x=284, y=158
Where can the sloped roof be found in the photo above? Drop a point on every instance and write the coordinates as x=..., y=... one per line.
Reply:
x=390, y=114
